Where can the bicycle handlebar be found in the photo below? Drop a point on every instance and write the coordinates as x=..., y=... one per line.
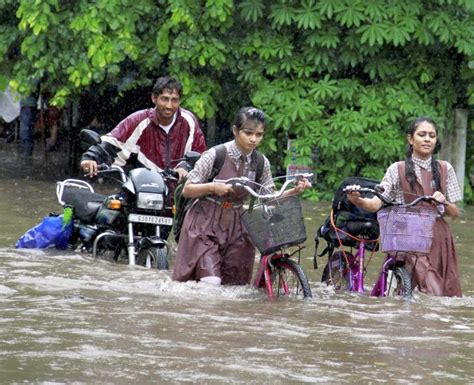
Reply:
x=246, y=182
x=378, y=190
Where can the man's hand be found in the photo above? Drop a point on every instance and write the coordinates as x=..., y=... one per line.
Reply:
x=181, y=172
x=89, y=167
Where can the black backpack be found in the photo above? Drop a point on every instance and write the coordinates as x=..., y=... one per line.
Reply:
x=348, y=219
x=182, y=204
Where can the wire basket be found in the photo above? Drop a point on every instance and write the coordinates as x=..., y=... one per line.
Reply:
x=275, y=224
x=406, y=229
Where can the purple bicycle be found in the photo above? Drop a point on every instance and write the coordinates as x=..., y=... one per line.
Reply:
x=404, y=229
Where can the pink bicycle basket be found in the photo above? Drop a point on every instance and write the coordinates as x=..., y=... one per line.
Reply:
x=406, y=229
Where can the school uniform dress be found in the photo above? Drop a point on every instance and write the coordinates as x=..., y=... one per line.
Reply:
x=213, y=240
x=437, y=272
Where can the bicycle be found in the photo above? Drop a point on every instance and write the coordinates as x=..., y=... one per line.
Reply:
x=404, y=229
x=274, y=224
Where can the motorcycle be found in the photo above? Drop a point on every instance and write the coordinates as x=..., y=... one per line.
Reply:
x=130, y=225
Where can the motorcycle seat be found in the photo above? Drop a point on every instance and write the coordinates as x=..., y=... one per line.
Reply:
x=84, y=202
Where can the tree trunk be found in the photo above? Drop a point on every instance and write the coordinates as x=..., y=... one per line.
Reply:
x=458, y=145
x=446, y=143
x=211, y=132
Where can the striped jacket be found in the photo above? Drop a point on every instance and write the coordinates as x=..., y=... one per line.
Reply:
x=140, y=136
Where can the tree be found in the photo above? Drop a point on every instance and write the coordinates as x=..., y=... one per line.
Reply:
x=348, y=76
x=345, y=76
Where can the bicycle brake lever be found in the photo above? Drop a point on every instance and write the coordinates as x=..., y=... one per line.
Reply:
x=379, y=188
x=434, y=200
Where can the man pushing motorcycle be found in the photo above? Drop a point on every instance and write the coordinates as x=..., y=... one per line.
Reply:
x=155, y=138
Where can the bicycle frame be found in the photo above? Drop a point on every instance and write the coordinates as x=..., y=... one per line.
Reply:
x=355, y=274
x=264, y=272
x=357, y=270
x=380, y=287
x=285, y=268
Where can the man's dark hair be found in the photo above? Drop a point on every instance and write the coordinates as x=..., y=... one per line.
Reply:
x=167, y=83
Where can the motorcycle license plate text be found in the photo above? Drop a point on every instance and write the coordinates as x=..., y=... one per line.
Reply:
x=150, y=219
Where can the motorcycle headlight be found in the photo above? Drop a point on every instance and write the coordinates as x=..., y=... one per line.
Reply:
x=150, y=201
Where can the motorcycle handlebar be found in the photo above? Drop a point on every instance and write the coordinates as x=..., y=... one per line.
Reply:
x=170, y=174
x=104, y=168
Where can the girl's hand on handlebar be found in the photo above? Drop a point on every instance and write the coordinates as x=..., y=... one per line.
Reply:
x=444, y=206
x=352, y=193
x=89, y=167
x=181, y=173
x=440, y=202
x=438, y=195
x=221, y=189
x=302, y=185
x=372, y=204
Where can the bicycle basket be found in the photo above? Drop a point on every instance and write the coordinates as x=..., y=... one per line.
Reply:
x=406, y=229
x=275, y=224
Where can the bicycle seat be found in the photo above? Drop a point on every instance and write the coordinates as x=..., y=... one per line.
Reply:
x=362, y=229
x=357, y=227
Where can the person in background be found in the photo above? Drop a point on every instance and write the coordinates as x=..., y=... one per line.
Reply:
x=420, y=174
x=2, y=128
x=28, y=113
x=214, y=247
x=155, y=138
x=98, y=125
x=52, y=117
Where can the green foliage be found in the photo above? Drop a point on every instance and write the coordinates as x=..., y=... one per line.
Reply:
x=251, y=10
x=342, y=76
x=355, y=74
x=469, y=180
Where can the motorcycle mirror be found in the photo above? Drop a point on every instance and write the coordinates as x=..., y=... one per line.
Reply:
x=89, y=137
x=192, y=157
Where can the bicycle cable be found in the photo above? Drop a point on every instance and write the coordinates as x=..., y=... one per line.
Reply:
x=333, y=224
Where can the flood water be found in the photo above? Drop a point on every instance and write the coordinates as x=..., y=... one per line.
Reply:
x=68, y=318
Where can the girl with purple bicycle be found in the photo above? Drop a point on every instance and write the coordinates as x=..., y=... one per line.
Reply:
x=436, y=272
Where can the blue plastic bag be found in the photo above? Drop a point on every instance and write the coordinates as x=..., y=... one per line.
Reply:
x=53, y=231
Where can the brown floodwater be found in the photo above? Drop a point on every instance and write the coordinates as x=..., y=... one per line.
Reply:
x=68, y=318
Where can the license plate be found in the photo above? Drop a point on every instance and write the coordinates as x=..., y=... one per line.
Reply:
x=150, y=219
